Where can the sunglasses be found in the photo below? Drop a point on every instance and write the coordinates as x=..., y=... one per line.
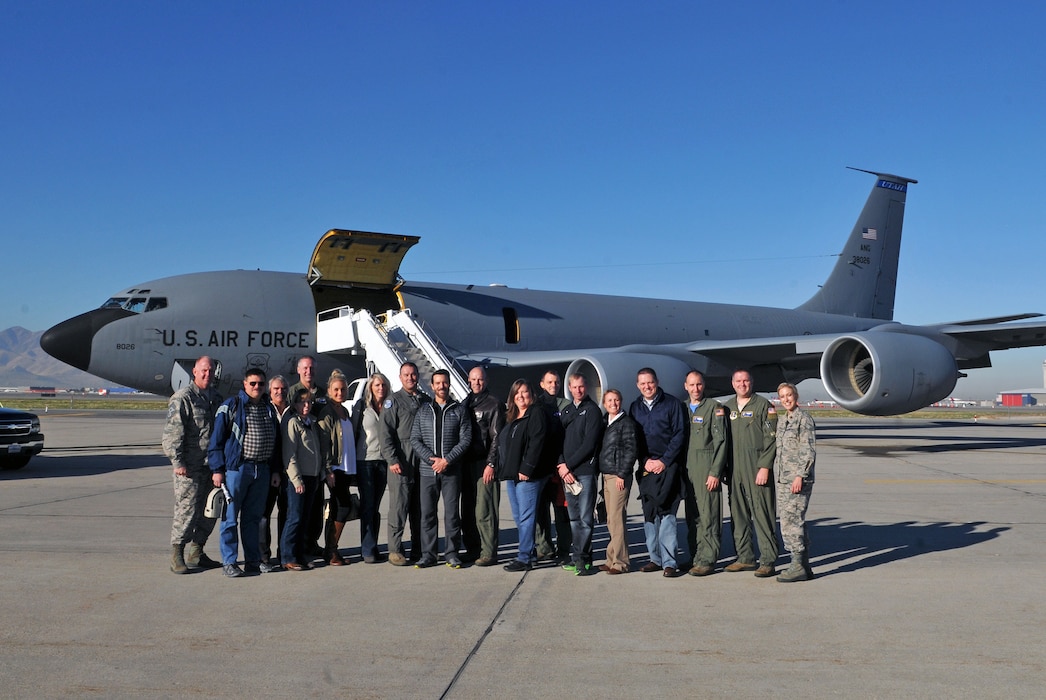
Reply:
x=255, y=383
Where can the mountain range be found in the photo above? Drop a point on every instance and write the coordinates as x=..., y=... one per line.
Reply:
x=24, y=364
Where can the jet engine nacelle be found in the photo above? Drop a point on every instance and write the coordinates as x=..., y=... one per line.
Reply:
x=885, y=374
x=617, y=370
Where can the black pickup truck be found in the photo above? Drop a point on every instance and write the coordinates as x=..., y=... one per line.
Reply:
x=20, y=438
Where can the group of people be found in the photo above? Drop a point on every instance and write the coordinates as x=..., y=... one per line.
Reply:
x=565, y=462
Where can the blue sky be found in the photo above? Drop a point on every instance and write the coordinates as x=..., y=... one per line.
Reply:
x=674, y=149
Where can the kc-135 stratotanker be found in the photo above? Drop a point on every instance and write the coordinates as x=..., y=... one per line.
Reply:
x=149, y=335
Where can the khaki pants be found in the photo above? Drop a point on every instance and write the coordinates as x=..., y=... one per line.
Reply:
x=617, y=503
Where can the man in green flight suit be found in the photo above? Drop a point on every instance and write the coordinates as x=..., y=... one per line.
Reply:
x=753, y=427
x=706, y=457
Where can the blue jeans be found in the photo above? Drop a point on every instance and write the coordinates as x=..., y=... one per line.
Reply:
x=662, y=539
x=523, y=497
x=249, y=485
x=299, y=505
x=582, y=509
x=371, y=477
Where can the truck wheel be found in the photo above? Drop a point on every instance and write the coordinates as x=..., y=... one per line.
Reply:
x=11, y=463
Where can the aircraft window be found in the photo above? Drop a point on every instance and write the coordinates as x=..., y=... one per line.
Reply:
x=156, y=303
x=137, y=305
x=511, y=325
x=114, y=303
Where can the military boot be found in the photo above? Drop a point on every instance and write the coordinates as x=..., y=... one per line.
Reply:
x=795, y=572
x=178, y=560
x=195, y=557
x=806, y=566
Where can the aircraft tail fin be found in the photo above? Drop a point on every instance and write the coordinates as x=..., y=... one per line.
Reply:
x=864, y=279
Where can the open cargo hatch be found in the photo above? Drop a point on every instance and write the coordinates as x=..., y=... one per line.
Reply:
x=358, y=269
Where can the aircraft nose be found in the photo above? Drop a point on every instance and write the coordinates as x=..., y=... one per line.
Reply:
x=70, y=341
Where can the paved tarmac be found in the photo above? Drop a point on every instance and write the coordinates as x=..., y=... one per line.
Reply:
x=924, y=539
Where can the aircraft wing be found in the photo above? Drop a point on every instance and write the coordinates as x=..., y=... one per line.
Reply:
x=771, y=360
x=735, y=353
x=990, y=320
x=984, y=337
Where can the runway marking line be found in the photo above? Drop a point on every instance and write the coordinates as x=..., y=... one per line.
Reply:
x=971, y=480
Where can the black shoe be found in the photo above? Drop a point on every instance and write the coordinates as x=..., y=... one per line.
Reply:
x=425, y=563
x=206, y=562
x=252, y=568
x=516, y=565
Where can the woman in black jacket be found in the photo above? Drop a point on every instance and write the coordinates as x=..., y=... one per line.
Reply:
x=616, y=459
x=522, y=466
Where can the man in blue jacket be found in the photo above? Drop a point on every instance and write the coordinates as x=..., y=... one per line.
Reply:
x=244, y=455
x=662, y=438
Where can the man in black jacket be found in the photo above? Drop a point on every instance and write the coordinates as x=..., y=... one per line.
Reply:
x=578, y=468
x=480, y=489
x=552, y=495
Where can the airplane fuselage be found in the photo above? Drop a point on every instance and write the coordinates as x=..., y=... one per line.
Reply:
x=268, y=320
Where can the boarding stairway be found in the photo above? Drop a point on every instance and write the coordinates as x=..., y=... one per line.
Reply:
x=388, y=340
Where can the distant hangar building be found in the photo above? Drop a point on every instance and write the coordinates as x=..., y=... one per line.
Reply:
x=1024, y=397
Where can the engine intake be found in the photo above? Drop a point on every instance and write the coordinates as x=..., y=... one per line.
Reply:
x=885, y=374
x=617, y=370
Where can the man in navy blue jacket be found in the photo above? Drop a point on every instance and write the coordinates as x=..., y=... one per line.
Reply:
x=662, y=439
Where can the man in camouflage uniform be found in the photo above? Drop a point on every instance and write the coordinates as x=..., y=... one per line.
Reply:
x=190, y=418
x=796, y=455
x=706, y=456
x=753, y=421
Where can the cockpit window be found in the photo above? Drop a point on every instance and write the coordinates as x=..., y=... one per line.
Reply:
x=136, y=304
